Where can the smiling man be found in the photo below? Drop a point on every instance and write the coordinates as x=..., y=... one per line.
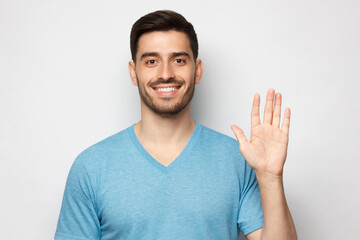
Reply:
x=169, y=177
x=165, y=71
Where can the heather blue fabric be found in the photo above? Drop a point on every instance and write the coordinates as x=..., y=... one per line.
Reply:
x=116, y=190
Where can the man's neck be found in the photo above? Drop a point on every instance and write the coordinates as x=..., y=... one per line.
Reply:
x=157, y=130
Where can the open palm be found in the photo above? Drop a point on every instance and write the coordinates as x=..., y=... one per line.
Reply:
x=266, y=150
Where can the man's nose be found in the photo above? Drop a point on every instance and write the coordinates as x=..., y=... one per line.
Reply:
x=166, y=72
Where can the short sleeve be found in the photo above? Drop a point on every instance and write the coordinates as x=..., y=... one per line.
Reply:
x=250, y=217
x=78, y=216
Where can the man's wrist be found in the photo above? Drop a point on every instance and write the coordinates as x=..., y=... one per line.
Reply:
x=269, y=181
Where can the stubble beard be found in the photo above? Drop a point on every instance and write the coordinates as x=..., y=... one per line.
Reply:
x=167, y=109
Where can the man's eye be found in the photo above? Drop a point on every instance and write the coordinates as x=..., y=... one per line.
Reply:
x=151, y=61
x=179, y=60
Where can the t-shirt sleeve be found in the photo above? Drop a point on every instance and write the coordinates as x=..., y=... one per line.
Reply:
x=250, y=217
x=78, y=216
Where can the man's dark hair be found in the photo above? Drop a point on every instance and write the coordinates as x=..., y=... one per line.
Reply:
x=164, y=20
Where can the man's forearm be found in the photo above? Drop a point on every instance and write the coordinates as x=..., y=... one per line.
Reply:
x=278, y=223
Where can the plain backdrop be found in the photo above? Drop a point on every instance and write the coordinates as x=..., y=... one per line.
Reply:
x=65, y=86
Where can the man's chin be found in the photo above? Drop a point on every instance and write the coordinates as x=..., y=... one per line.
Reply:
x=168, y=111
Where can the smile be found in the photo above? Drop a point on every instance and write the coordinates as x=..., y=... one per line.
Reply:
x=166, y=89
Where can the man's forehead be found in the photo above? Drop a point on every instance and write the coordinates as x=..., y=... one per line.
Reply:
x=164, y=43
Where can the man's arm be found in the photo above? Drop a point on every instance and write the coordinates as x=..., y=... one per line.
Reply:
x=278, y=223
x=78, y=216
x=266, y=154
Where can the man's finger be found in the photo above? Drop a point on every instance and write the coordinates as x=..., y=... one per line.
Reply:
x=268, y=111
x=286, y=122
x=255, y=115
x=277, y=111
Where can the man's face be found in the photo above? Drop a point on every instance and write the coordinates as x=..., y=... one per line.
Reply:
x=165, y=71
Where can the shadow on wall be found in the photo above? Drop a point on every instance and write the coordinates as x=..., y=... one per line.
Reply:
x=201, y=103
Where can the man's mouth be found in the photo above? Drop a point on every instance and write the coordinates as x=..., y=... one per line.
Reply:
x=166, y=89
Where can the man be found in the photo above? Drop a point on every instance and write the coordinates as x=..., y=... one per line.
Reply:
x=168, y=177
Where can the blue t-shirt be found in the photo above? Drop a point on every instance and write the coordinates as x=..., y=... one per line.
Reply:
x=117, y=190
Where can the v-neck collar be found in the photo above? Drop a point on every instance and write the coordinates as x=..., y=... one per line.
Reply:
x=184, y=154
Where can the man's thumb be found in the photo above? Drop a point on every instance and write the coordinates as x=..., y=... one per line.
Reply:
x=240, y=136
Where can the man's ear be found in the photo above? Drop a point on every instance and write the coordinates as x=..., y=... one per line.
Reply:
x=198, y=71
x=132, y=73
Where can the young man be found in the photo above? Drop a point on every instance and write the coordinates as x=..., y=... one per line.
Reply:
x=169, y=177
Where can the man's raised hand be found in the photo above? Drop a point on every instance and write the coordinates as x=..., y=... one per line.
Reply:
x=266, y=150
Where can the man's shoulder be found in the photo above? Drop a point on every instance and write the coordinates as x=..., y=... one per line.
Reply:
x=112, y=145
x=217, y=137
x=216, y=145
x=217, y=142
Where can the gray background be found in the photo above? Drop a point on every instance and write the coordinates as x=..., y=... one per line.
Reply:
x=65, y=86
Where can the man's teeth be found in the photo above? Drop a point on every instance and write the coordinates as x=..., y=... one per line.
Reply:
x=167, y=89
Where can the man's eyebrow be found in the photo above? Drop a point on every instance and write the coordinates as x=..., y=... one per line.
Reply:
x=156, y=54
x=177, y=54
x=149, y=54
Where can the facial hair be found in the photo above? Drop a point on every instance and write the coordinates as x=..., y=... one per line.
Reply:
x=164, y=109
